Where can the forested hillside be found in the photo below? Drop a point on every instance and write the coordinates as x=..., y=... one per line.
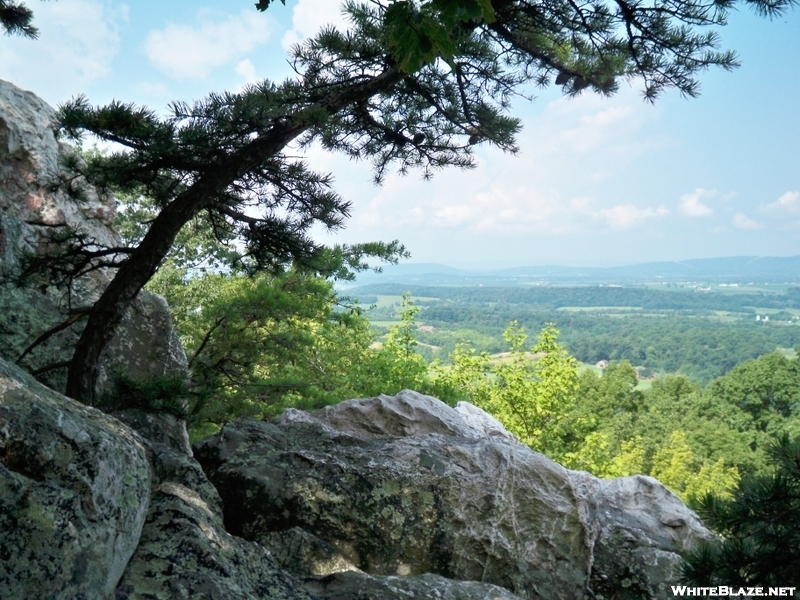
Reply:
x=685, y=298
x=700, y=335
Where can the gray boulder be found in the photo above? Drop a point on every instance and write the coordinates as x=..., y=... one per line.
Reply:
x=407, y=486
x=36, y=202
x=74, y=493
x=186, y=552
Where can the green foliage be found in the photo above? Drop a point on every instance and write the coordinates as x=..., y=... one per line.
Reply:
x=468, y=376
x=767, y=388
x=397, y=365
x=420, y=33
x=598, y=456
x=528, y=394
x=259, y=344
x=598, y=430
x=554, y=297
x=16, y=19
x=692, y=439
x=676, y=466
x=157, y=394
x=759, y=527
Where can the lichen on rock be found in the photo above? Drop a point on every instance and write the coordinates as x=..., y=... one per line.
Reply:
x=406, y=485
x=74, y=493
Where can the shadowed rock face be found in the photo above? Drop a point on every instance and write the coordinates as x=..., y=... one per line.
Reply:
x=74, y=493
x=91, y=509
x=406, y=485
x=33, y=207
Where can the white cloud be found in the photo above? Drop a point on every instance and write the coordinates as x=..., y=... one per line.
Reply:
x=789, y=201
x=549, y=189
x=78, y=40
x=309, y=16
x=625, y=216
x=453, y=215
x=691, y=206
x=153, y=89
x=517, y=209
x=602, y=130
x=741, y=221
x=185, y=51
x=247, y=70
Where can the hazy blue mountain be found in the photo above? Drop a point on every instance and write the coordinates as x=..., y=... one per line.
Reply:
x=735, y=269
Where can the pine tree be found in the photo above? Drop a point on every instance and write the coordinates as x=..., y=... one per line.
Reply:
x=759, y=528
x=414, y=84
x=16, y=19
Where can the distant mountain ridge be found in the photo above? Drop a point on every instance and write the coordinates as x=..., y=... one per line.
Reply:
x=736, y=269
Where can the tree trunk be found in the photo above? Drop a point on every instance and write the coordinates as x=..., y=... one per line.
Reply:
x=142, y=264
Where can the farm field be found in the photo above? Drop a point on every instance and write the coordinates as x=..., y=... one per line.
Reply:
x=659, y=331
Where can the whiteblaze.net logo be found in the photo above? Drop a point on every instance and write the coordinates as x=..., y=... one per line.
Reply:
x=732, y=592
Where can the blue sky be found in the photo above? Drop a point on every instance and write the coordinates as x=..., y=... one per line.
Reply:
x=597, y=181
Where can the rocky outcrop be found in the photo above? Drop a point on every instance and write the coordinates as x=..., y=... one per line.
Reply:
x=74, y=493
x=406, y=486
x=38, y=200
x=92, y=508
x=185, y=550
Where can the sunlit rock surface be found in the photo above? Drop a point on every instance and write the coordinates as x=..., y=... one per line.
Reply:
x=406, y=485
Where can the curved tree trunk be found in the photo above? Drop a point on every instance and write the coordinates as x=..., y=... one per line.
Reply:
x=142, y=264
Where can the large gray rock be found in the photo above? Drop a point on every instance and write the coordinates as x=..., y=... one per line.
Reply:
x=186, y=552
x=74, y=493
x=33, y=207
x=406, y=486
